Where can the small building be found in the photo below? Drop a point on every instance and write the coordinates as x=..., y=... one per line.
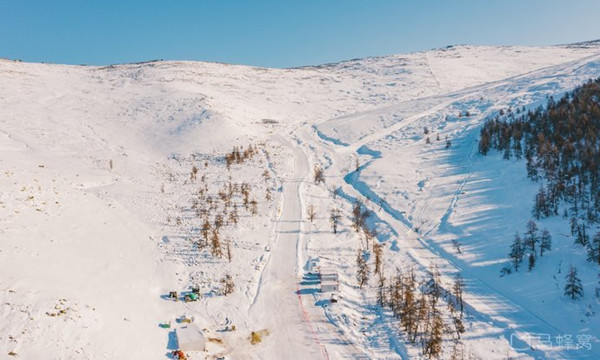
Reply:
x=329, y=280
x=190, y=338
x=329, y=285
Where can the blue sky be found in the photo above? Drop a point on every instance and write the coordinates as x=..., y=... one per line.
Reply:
x=278, y=33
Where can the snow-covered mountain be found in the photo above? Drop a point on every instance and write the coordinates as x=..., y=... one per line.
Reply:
x=101, y=210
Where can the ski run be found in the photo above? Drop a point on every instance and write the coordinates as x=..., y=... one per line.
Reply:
x=124, y=184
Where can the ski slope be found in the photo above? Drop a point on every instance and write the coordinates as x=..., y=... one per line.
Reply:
x=96, y=226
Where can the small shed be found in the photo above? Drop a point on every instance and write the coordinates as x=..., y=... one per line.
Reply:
x=190, y=338
x=329, y=280
x=329, y=285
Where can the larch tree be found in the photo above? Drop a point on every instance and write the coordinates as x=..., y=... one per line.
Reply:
x=593, y=249
x=215, y=242
x=545, y=242
x=573, y=287
x=516, y=252
x=362, y=272
x=531, y=263
x=334, y=219
x=457, y=291
x=311, y=211
x=531, y=236
x=378, y=251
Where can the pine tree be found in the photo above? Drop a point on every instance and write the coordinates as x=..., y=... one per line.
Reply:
x=582, y=236
x=334, y=219
x=408, y=310
x=573, y=287
x=362, y=272
x=381, y=300
x=433, y=287
x=545, y=242
x=421, y=320
x=516, y=252
x=459, y=326
x=531, y=235
x=359, y=216
x=458, y=290
x=531, y=262
x=205, y=230
x=433, y=346
x=378, y=251
x=593, y=249
x=216, y=243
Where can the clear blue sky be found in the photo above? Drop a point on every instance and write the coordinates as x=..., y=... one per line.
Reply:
x=278, y=33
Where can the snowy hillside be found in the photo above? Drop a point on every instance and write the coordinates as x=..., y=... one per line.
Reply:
x=109, y=175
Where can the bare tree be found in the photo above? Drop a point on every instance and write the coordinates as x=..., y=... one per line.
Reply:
x=378, y=251
x=334, y=218
x=228, y=284
x=311, y=211
x=253, y=207
x=216, y=243
x=319, y=175
x=228, y=249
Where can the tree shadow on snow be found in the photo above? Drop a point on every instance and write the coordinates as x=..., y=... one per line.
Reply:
x=308, y=291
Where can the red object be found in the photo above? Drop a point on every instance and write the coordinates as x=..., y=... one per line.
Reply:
x=178, y=354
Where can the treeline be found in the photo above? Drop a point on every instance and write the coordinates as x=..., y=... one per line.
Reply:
x=561, y=146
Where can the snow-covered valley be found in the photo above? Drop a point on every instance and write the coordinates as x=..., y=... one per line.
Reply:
x=109, y=173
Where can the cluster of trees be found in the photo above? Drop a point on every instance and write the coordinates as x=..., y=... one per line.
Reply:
x=217, y=210
x=360, y=215
x=561, y=145
x=579, y=230
x=238, y=155
x=528, y=246
x=417, y=305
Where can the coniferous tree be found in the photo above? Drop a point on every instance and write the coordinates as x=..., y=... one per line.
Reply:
x=545, y=242
x=254, y=207
x=573, y=287
x=408, y=310
x=531, y=236
x=458, y=290
x=531, y=261
x=233, y=215
x=205, y=230
x=433, y=346
x=362, y=272
x=582, y=236
x=593, y=249
x=228, y=249
x=378, y=251
x=216, y=243
x=359, y=216
x=381, y=300
x=311, y=212
x=516, y=252
x=334, y=219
